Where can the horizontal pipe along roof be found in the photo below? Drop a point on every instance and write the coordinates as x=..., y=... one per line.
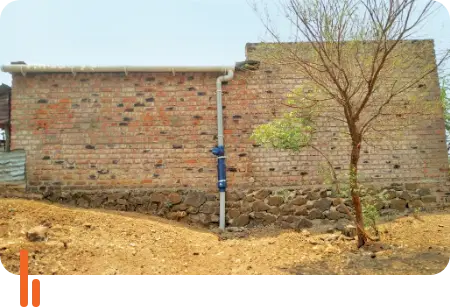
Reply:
x=88, y=69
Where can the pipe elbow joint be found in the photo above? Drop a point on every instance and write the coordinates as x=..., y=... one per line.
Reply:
x=227, y=77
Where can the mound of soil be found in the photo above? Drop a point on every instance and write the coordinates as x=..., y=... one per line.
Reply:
x=93, y=242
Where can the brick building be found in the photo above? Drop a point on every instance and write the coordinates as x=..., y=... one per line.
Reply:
x=98, y=130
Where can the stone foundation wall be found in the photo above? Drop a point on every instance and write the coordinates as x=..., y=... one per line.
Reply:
x=293, y=208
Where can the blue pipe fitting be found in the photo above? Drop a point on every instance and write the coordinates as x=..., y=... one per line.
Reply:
x=219, y=151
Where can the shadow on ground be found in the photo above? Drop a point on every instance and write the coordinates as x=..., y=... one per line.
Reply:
x=421, y=263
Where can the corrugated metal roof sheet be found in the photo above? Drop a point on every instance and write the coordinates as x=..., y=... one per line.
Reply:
x=4, y=103
x=12, y=166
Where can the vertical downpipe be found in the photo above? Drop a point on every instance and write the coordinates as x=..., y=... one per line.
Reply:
x=219, y=151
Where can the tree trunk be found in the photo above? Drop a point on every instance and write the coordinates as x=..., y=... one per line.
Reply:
x=354, y=190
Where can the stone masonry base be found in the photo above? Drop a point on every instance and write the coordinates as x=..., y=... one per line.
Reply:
x=286, y=208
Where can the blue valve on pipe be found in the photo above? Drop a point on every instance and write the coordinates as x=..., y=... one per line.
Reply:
x=219, y=151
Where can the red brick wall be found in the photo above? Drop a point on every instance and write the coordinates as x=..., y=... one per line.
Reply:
x=410, y=148
x=109, y=130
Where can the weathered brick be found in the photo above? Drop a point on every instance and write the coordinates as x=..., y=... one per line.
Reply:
x=171, y=121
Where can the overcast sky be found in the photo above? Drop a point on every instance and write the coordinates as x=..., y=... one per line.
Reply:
x=151, y=32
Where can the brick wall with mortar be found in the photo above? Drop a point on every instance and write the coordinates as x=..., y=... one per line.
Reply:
x=412, y=153
x=147, y=130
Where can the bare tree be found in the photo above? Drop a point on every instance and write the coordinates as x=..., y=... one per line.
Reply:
x=357, y=70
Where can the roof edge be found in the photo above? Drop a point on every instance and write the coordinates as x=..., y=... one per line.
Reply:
x=99, y=69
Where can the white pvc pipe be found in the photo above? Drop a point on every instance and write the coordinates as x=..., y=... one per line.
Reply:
x=221, y=79
x=86, y=69
x=222, y=211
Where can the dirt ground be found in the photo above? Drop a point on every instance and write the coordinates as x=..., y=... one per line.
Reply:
x=103, y=242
